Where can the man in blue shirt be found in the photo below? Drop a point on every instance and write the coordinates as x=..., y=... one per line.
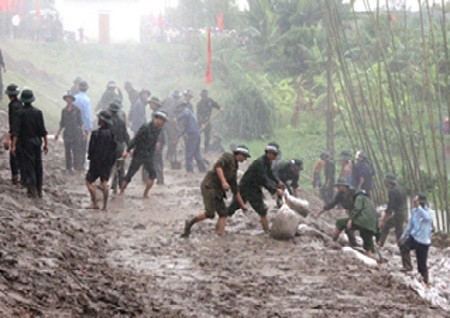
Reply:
x=417, y=236
x=188, y=125
x=83, y=102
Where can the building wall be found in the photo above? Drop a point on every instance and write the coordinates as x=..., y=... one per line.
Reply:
x=124, y=17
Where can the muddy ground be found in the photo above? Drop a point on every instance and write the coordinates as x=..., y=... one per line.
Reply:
x=58, y=259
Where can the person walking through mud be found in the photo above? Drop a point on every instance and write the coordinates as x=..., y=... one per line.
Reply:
x=363, y=218
x=217, y=182
x=110, y=95
x=122, y=138
x=158, y=162
x=144, y=144
x=28, y=132
x=187, y=125
x=258, y=175
x=83, y=102
x=345, y=197
x=14, y=106
x=102, y=156
x=204, y=110
x=289, y=173
x=72, y=124
x=417, y=236
x=395, y=214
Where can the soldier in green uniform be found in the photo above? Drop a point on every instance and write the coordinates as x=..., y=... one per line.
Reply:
x=259, y=174
x=217, y=181
x=395, y=214
x=204, y=110
x=144, y=144
x=346, y=198
x=363, y=218
x=122, y=139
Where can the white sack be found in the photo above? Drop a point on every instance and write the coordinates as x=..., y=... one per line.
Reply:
x=298, y=205
x=284, y=224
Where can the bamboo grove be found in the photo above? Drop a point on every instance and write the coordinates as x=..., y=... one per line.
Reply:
x=390, y=89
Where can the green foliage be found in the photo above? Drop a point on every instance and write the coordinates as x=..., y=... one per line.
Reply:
x=248, y=113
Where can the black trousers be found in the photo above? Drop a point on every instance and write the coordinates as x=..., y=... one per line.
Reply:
x=207, y=132
x=421, y=254
x=31, y=165
x=14, y=165
x=82, y=152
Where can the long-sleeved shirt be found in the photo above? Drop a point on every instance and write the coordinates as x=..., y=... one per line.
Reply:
x=145, y=140
x=83, y=102
x=346, y=199
x=285, y=172
x=102, y=147
x=107, y=98
x=259, y=174
x=137, y=115
x=29, y=124
x=204, y=109
x=420, y=225
x=13, y=107
x=120, y=132
x=72, y=123
x=187, y=124
x=396, y=200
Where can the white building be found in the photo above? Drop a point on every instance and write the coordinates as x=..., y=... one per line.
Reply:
x=107, y=21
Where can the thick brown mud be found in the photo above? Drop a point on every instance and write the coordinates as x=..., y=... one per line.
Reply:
x=58, y=259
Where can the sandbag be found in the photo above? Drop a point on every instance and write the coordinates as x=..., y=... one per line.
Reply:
x=284, y=224
x=365, y=259
x=298, y=205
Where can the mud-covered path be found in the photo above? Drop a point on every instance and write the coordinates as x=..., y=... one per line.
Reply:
x=61, y=260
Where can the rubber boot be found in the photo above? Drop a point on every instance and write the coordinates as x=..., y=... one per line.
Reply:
x=406, y=262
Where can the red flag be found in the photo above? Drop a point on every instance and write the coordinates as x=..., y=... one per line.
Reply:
x=208, y=75
x=220, y=21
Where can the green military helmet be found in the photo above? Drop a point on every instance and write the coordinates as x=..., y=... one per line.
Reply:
x=12, y=89
x=27, y=96
x=105, y=116
x=68, y=95
x=115, y=106
x=242, y=150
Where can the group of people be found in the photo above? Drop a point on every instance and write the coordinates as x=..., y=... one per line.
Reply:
x=363, y=217
x=110, y=144
x=357, y=172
